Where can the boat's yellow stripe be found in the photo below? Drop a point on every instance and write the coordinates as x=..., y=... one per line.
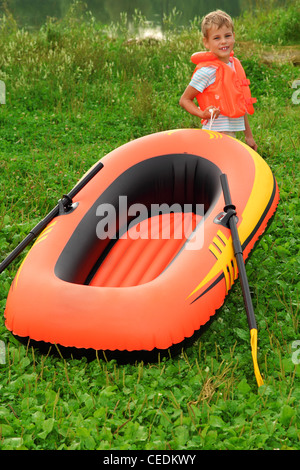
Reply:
x=223, y=259
x=214, y=251
x=218, y=243
x=261, y=193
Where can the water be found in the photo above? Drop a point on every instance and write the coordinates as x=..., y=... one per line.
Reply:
x=34, y=13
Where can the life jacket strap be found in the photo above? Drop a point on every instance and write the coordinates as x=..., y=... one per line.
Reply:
x=245, y=82
x=251, y=100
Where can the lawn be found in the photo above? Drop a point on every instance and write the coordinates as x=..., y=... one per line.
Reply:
x=76, y=90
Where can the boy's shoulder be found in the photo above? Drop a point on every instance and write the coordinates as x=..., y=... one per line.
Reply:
x=207, y=69
x=203, y=77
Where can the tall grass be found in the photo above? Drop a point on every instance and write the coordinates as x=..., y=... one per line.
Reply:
x=269, y=23
x=75, y=91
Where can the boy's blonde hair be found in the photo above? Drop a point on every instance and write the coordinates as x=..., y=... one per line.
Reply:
x=218, y=18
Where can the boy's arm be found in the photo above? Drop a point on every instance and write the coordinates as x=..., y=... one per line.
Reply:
x=248, y=135
x=187, y=102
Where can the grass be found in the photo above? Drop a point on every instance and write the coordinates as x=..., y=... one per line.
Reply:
x=75, y=91
x=282, y=20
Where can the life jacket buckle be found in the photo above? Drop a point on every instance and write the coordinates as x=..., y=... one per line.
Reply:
x=251, y=100
x=245, y=82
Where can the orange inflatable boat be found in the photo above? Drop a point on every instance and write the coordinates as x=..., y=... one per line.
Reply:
x=143, y=257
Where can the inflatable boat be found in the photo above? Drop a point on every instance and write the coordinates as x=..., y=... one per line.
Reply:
x=142, y=256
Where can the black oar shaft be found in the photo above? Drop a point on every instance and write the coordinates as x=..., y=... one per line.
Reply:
x=231, y=216
x=53, y=213
x=238, y=253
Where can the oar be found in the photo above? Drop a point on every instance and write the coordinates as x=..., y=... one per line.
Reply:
x=63, y=204
x=231, y=212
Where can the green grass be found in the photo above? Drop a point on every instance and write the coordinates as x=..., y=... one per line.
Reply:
x=282, y=22
x=75, y=91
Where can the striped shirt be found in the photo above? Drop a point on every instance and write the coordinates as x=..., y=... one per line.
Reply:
x=204, y=77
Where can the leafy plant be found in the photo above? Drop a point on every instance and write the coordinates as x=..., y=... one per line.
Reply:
x=282, y=23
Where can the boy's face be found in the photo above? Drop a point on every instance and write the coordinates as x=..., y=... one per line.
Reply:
x=220, y=41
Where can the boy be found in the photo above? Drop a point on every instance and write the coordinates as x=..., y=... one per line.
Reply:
x=218, y=38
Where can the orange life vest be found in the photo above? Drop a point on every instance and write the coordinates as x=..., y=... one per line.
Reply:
x=230, y=92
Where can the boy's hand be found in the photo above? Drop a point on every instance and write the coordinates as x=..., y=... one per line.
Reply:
x=251, y=142
x=207, y=114
x=248, y=135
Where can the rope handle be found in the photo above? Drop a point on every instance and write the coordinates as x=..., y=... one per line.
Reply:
x=212, y=118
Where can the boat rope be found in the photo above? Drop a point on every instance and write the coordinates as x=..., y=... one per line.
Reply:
x=212, y=118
